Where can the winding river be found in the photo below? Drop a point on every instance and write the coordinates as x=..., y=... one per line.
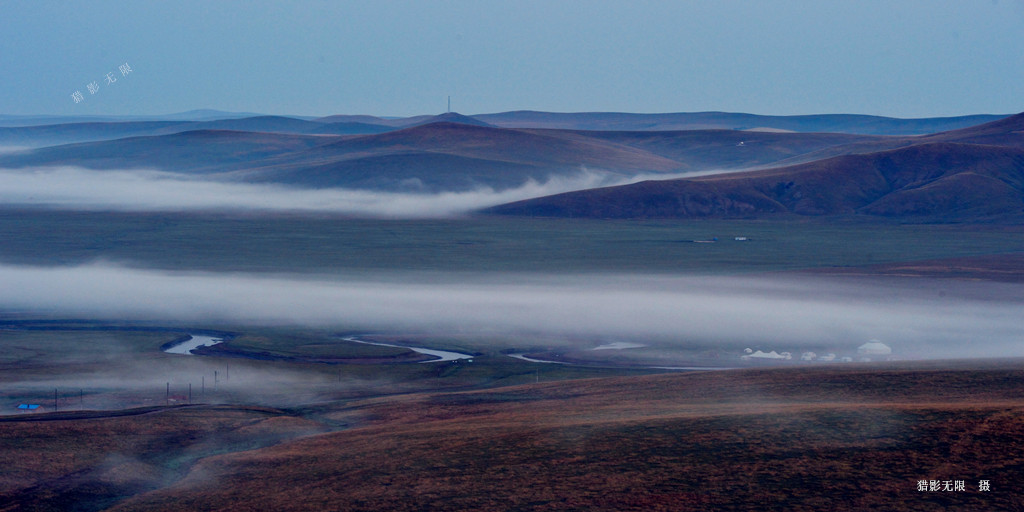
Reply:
x=186, y=347
x=619, y=345
x=196, y=341
x=442, y=355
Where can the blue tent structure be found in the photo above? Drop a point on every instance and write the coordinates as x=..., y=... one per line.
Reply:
x=29, y=407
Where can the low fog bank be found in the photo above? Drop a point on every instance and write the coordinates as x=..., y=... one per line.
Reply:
x=142, y=190
x=141, y=382
x=684, y=311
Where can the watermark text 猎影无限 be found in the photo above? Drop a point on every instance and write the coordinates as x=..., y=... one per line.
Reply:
x=93, y=87
x=950, y=486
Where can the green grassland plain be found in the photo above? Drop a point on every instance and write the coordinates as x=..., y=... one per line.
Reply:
x=291, y=243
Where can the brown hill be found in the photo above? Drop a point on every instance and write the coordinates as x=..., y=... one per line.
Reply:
x=439, y=156
x=935, y=182
x=450, y=156
x=1004, y=132
x=721, y=149
x=1008, y=132
x=412, y=171
x=853, y=438
x=465, y=153
x=507, y=145
x=549, y=151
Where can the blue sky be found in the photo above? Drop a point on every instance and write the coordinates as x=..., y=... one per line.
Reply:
x=398, y=58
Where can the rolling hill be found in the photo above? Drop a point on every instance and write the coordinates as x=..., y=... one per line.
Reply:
x=188, y=152
x=944, y=182
x=965, y=175
x=815, y=438
x=450, y=156
x=69, y=133
x=1008, y=131
x=438, y=156
x=724, y=149
x=441, y=156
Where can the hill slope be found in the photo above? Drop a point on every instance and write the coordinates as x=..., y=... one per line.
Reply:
x=807, y=439
x=1008, y=131
x=192, y=151
x=935, y=181
x=70, y=133
x=440, y=155
x=722, y=149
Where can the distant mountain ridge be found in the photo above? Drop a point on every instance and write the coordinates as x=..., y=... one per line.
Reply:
x=832, y=123
x=38, y=131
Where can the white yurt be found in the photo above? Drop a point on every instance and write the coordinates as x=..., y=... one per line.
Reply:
x=762, y=355
x=874, y=348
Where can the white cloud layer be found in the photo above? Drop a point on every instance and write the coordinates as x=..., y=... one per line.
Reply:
x=683, y=310
x=140, y=190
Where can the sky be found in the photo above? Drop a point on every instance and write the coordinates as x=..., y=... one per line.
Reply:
x=906, y=58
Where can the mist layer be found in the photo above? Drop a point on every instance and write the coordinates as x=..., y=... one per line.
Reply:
x=144, y=190
x=687, y=310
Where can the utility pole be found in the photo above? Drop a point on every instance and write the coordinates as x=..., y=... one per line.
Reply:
x=449, y=104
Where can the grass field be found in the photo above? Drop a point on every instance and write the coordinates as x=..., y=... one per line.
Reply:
x=854, y=438
x=317, y=245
